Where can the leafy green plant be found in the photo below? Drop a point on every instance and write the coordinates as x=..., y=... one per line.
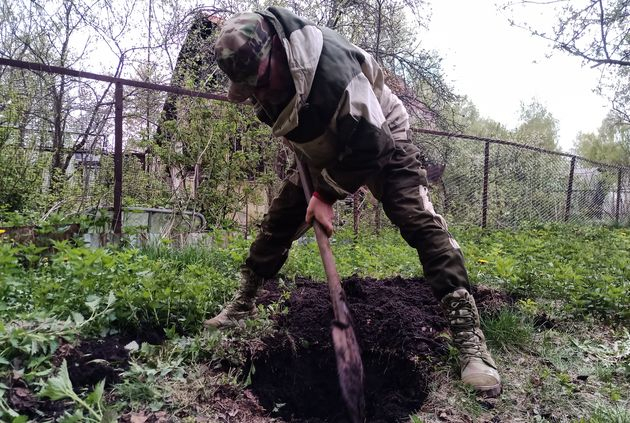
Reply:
x=159, y=291
x=60, y=387
x=586, y=274
x=31, y=342
x=379, y=256
x=143, y=382
x=27, y=345
x=585, y=268
x=154, y=369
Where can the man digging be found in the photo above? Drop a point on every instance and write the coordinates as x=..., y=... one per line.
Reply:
x=327, y=98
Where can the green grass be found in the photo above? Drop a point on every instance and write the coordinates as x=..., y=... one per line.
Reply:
x=579, y=271
x=556, y=378
x=376, y=256
x=509, y=329
x=608, y=414
x=586, y=268
x=579, y=276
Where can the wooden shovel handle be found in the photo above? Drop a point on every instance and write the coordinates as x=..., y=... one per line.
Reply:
x=347, y=353
x=334, y=283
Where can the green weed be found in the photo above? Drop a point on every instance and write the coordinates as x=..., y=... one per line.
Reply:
x=586, y=268
x=156, y=369
x=609, y=414
x=60, y=387
x=509, y=329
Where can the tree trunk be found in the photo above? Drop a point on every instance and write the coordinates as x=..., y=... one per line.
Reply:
x=56, y=168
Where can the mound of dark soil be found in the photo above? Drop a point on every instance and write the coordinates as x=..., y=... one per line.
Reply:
x=397, y=322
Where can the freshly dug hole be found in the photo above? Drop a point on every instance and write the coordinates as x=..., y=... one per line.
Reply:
x=397, y=322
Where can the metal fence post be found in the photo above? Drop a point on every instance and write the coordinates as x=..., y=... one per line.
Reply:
x=118, y=162
x=484, y=196
x=567, y=209
x=618, y=207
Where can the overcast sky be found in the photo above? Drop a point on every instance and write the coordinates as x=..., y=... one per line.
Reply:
x=498, y=66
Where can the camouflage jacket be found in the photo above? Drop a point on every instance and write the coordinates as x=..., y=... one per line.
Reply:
x=343, y=119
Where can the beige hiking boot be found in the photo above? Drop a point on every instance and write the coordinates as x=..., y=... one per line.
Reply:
x=477, y=366
x=242, y=305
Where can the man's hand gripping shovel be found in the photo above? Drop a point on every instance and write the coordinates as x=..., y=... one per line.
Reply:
x=349, y=364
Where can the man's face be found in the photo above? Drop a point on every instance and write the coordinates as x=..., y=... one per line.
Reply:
x=275, y=84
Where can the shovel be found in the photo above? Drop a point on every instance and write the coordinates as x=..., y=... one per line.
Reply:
x=349, y=364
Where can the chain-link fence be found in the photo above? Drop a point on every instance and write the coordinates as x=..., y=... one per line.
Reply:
x=496, y=183
x=212, y=157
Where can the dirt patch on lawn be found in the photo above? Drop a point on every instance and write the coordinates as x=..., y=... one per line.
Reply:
x=93, y=360
x=399, y=325
x=88, y=362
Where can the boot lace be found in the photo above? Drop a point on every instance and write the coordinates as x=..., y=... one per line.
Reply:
x=464, y=323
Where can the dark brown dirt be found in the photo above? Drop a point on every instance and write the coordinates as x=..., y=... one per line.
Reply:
x=490, y=301
x=89, y=362
x=93, y=360
x=397, y=322
x=23, y=400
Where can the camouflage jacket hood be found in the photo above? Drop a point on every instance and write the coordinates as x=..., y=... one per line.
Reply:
x=343, y=119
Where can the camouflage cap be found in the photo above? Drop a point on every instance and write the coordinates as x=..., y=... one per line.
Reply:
x=244, y=41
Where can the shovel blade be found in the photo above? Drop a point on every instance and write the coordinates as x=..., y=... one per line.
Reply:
x=349, y=370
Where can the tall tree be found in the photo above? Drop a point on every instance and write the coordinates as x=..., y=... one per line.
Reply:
x=538, y=127
x=69, y=109
x=596, y=31
x=60, y=114
x=611, y=143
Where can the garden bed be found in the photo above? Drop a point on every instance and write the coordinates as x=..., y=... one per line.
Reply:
x=293, y=377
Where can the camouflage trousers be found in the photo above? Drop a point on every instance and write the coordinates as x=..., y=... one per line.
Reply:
x=402, y=188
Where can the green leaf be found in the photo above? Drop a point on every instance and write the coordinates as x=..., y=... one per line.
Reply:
x=156, y=406
x=96, y=396
x=44, y=372
x=20, y=419
x=60, y=386
x=92, y=302
x=35, y=362
x=34, y=347
x=109, y=416
x=111, y=299
x=72, y=418
x=78, y=318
